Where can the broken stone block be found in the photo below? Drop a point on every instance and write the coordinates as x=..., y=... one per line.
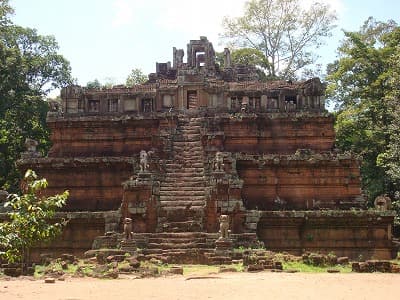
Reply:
x=333, y=271
x=133, y=262
x=13, y=272
x=64, y=265
x=255, y=268
x=344, y=260
x=176, y=270
x=49, y=280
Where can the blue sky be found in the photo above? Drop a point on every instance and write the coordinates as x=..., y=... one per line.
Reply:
x=105, y=39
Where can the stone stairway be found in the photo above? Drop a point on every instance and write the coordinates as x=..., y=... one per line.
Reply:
x=182, y=193
x=182, y=247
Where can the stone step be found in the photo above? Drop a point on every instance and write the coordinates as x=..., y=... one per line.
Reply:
x=189, y=165
x=188, y=145
x=176, y=185
x=187, y=179
x=179, y=212
x=195, y=204
x=190, y=123
x=179, y=246
x=193, y=136
x=186, y=123
x=182, y=149
x=174, y=252
x=190, y=160
x=181, y=177
x=178, y=240
x=188, y=153
x=181, y=198
x=185, y=169
x=186, y=166
x=186, y=141
x=187, y=175
x=187, y=193
x=174, y=235
x=188, y=131
x=185, y=226
x=167, y=188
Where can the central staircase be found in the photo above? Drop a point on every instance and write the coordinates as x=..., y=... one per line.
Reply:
x=182, y=193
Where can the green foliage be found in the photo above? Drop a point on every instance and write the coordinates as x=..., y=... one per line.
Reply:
x=283, y=31
x=5, y=10
x=29, y=217
x=364, y=85
x=95, y=84
x=247, y=56
x=135, y=77
x=305, y=268
x=29, y=68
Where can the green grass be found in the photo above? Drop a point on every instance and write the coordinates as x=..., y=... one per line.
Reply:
x=199, y=270
x=302, y=267
x=56, y=266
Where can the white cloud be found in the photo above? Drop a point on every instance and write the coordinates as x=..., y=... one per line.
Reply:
x=205, y=17
x=336, y=5
x=198, y=17
x=123, y=12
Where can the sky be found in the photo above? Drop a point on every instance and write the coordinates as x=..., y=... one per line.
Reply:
x=106, y=39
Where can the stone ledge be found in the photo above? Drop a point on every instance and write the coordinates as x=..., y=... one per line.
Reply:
x=328, y=213
x=59, y=162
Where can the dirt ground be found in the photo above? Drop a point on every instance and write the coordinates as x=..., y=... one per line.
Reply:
x=243, y=286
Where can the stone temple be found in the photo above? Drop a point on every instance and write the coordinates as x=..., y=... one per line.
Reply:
x=198, y=141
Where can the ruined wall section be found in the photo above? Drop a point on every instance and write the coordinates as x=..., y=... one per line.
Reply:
x=355, y=234
x=94, y=183
x=271, y=133
x=300, y=182
x=92, y=136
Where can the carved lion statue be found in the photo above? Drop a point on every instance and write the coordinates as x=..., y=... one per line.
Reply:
x=144, y=164
x=382, y=203
x=128, y=229
x=224, y=226
x=219, y=162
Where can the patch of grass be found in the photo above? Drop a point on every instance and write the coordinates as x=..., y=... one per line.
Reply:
x=72, y=269
x=302, y=267
x=199, y=269
x=239, y=267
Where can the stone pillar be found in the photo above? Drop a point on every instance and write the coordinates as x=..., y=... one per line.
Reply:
x=227, y=58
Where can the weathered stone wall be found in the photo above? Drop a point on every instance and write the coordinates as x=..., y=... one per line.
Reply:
x=102, y=136
x=356, y=234
x=94, y=183
x=303, y=183
x=77, y=236
x=269, y=133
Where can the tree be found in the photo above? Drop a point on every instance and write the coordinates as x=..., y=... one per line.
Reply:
x=95, y=84
x=5, y=10
x=136, y=77
x=389, y=160
x=286, y=34
x=29, y=68
x=364, y=85
x=28, y=223
x=246, y=56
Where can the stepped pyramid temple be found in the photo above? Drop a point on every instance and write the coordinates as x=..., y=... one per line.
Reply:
x=198, y=141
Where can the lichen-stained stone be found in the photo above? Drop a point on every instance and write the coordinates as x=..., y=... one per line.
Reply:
x=195, y=142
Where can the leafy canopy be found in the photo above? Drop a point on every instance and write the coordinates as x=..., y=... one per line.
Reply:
x=285, y=33
x=28, y=223
x=364, y=85
x=135, y=77
x=30, y=67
